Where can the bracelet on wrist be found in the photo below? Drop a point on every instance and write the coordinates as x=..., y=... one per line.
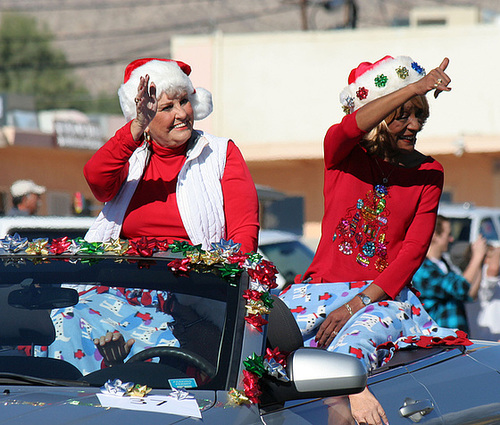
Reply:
x=349, y=309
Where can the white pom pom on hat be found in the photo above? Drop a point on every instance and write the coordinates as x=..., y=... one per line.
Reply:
x=370, y=81
x=167, y=74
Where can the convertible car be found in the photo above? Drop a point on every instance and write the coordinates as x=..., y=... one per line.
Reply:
x=208, y=342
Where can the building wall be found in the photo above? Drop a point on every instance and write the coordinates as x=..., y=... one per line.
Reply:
x=283, y=88
x=60, y=170
x=295, y=178
x=472, y=177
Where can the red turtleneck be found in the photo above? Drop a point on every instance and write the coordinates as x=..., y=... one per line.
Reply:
x=153, y=208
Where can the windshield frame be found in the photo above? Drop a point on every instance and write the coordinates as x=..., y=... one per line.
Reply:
x=111, y=270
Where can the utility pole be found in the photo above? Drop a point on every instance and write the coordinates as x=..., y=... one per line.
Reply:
x=351, y=14
x=303, y=13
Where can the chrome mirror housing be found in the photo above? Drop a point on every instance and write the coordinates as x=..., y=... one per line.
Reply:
x=313, y=369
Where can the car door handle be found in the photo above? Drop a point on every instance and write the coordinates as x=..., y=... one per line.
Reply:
x=416, y=409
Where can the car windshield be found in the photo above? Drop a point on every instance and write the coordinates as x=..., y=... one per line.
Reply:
x=290, y=258
x=52, y=309
x=460, y=228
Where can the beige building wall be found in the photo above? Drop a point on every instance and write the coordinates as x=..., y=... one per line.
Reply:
x=277, y=94
x=60, y=170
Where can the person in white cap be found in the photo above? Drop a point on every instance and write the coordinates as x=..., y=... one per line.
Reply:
x=381, y=201
x=26, y=197
x=162, y=178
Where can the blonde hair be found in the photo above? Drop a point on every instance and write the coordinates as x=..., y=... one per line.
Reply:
x=380, y=141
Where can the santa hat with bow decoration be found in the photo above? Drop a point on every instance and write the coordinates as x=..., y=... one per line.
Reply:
x=168, y=75
x=370, y=81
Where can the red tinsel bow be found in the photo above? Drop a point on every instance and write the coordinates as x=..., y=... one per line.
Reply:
x=250, y=294
x=162, y=245
x=143, y=247
x=265, y=273
x=180, y=266
x=237, y=258
x=276, y=355
x=256, y=320
x=251, y=386
x=429, y=341
x=59, y=245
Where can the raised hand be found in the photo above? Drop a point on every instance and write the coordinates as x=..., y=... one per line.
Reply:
x=436, y=80
x=146, y=106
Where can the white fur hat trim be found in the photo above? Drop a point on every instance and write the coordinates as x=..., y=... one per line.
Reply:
x=166, y=75
x=386, y=76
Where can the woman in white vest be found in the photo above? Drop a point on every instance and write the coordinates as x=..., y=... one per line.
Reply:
x=161, y=178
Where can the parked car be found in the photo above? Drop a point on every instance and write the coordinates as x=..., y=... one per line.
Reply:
x=286, y=250
x=192, y=315
x=467, y=223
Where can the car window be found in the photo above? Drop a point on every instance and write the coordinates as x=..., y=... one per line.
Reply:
x=460, y=228
x=290, y=258
x=487, y=229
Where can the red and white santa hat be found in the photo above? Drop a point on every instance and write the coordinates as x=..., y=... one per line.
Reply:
x=370, y=81
x=167, y=74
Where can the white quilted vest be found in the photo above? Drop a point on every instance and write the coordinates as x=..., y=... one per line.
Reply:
x=199, y=193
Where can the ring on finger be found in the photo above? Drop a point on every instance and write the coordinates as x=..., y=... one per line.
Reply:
x=137, y=100
x=335, y=332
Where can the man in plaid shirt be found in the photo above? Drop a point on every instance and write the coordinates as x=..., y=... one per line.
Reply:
x=444, y=288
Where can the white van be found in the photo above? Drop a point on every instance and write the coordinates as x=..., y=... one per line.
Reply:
x=33, y=227
x=469, y=221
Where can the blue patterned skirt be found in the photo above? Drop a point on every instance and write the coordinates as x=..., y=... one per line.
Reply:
x=369, y=329
x=98, y=313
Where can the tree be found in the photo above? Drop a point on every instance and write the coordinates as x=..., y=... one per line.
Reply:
x=30, y=64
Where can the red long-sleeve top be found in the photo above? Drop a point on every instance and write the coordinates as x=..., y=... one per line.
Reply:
x=363, y=238
x=153, y=208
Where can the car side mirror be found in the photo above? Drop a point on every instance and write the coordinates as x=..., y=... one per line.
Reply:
x=43, y=297
x=316, y=373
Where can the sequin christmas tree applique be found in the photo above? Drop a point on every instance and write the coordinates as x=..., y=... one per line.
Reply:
x=362, y=232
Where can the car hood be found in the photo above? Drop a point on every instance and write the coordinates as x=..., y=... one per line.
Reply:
x=58, y=406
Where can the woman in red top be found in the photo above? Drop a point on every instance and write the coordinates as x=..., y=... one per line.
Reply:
x=381, y=200
x=162, y=178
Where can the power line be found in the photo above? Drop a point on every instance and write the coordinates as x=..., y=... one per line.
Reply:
x=165, y=29
x=201, y=24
